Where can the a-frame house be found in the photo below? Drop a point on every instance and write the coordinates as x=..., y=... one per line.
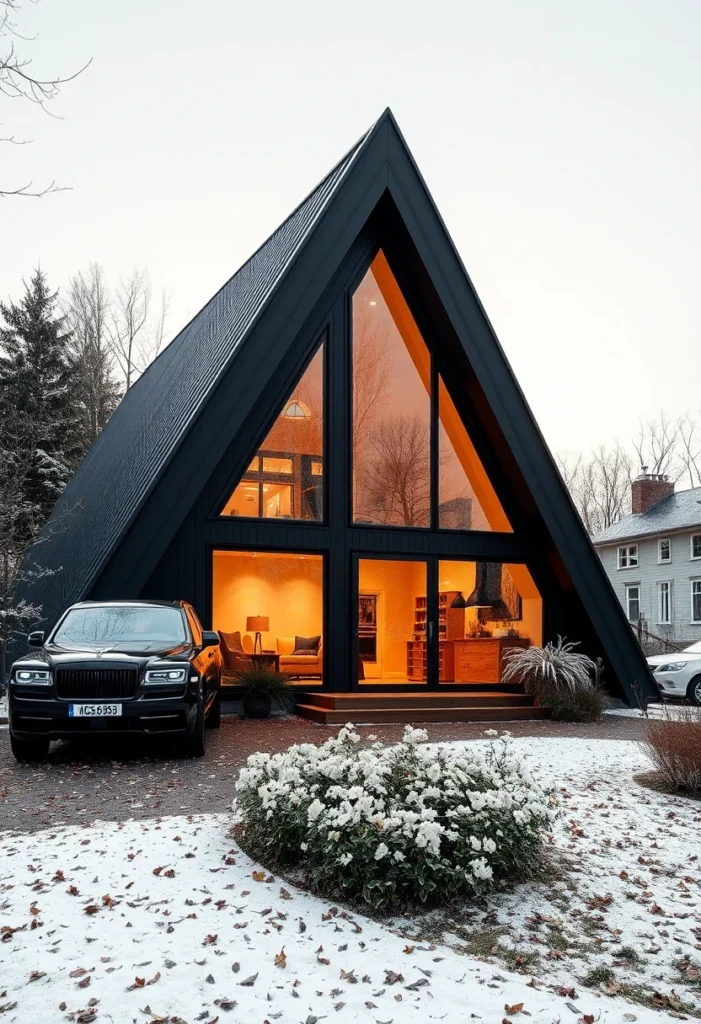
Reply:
x=335, y=453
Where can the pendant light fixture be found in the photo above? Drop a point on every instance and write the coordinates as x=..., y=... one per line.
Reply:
x=479, y=598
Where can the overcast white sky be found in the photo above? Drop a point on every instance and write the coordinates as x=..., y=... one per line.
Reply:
x=561, y=141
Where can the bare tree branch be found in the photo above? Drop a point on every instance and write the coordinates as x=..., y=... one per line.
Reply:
x=599, y=484
x=18, y=82
x=87, y=309
x=135, y=336
x=656, y=446
x=26, y=190
x=690, y=455
x=395, y=485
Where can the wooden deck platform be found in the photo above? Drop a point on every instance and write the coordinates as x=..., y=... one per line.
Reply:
x=474, y=705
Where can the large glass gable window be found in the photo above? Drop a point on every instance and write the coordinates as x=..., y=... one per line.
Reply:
x=391, y=406
x=285, y=479
x=466, y=498
x=392, y=403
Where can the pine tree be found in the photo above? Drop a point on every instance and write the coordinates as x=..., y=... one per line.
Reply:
x=37, y=398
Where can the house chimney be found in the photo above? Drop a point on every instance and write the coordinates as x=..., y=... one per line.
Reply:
x=648, y=489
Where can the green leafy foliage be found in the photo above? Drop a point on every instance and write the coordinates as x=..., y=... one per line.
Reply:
x=401, y=825
x=262, y=679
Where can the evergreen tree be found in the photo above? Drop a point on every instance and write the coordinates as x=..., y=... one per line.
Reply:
x=37, y=397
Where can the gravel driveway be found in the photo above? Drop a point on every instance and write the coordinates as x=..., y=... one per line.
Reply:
x=83, y=784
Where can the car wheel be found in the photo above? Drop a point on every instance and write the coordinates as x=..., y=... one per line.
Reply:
x=29, y=750
x=193, y=745
x=694, y=691
x=213, y=720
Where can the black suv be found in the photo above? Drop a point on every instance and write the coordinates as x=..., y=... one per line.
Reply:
x=117, y=667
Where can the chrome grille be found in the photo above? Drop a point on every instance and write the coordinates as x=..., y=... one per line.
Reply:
x=96, y=683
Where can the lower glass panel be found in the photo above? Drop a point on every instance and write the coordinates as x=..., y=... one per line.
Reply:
x=391, y=621
x=276, y=595
x=484, y=608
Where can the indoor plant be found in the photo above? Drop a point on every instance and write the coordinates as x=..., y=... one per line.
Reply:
x=261, y=688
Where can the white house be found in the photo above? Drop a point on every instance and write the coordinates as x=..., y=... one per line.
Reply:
x=653, y=558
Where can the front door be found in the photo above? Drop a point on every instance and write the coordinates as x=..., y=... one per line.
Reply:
x=431, y=623
x=394, y=629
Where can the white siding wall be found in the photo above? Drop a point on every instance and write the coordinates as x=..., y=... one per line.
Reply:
x=649, y=572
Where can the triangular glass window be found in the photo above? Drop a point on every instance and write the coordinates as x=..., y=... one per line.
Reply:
x=391, y=406
x=285, y=480
x=466, y=498
x=391, y=367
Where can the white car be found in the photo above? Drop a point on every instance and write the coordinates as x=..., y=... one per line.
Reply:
x=679, y=674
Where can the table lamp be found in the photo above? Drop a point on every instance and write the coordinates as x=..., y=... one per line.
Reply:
x=257, y=624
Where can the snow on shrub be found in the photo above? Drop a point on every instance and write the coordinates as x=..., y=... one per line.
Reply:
x=400, y=824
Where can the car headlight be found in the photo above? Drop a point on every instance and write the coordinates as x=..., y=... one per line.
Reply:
x=33, y=677
x=166, y=675
x=672, y=666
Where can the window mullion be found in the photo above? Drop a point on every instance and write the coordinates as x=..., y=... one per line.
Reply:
x=434, y=446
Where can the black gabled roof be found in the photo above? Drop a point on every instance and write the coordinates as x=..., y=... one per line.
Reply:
x=128, y=457
x=188, y=411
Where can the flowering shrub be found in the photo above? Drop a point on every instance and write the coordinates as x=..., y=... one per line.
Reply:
x=397, y=824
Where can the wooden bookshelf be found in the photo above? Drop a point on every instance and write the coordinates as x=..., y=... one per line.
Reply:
x=416, y=661
x=451, y=626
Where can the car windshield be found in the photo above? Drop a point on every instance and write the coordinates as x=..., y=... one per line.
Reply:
x=695, y=648
x=137, y=624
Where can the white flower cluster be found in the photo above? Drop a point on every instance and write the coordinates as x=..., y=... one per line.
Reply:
x=403, y=821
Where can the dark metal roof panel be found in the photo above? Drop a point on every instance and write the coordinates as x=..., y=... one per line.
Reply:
x=147, y=427
x=679, y=511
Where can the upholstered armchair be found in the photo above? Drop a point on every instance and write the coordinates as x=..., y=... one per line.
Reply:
x=308, y=666
x=234, y=651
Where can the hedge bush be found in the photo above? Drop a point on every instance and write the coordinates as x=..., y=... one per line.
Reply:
x=403, y=824
x=673, y=744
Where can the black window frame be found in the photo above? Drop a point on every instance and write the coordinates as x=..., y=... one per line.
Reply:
x=247, y=475
x=337, y=537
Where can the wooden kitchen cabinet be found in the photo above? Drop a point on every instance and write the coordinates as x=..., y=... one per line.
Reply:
x=481, y=659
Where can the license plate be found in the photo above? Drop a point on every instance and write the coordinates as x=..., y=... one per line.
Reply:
x=94, y=710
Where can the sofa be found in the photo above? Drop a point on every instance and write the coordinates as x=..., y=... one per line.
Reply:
x=308, y=666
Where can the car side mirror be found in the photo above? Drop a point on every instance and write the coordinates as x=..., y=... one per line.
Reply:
x=210, y=638
x=36, y=639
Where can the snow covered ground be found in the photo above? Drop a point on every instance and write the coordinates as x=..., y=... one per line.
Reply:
x=655, y=711
x=168, y=921
x=3, y=708
x=621, y=896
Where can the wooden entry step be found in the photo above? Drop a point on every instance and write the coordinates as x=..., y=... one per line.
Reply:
x=387, y=708
x=467, y=698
